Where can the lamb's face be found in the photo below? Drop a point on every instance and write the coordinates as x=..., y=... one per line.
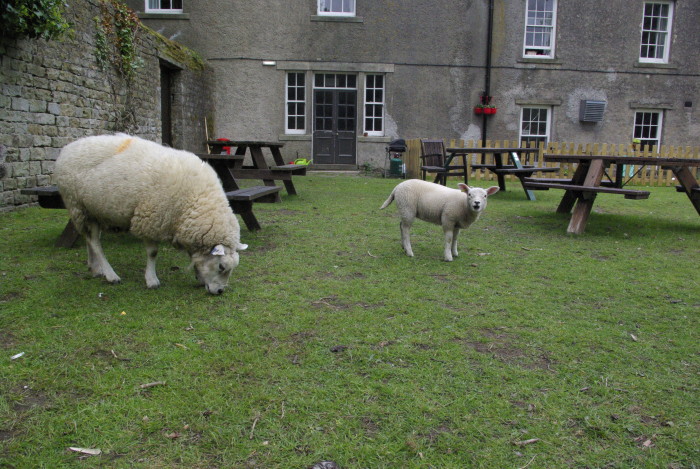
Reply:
x=476, y=199
x=476, y=196
x=214, y=268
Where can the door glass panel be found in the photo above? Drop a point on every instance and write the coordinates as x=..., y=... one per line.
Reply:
x=324, y=110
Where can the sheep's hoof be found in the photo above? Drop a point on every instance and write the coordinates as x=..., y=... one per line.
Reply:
x=113, y=280
x=153, y=285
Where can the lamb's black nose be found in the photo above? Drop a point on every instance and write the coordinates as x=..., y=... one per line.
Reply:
x=219, y=291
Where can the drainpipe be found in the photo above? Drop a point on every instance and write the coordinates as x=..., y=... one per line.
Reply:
x=486, y=96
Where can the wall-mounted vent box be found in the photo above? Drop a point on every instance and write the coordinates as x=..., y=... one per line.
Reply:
x=591, y=111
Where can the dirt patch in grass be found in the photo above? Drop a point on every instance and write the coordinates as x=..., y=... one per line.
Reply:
x=30, y=399
x=503, y=347
x=334, y=303
x=10, y=296
x=7, y=340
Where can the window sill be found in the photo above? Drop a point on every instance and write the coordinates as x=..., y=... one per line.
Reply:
x=294, y=137
x=373, y=139
x=163, y=16
x=654, y=65
x=539, y=61
x=338, y=19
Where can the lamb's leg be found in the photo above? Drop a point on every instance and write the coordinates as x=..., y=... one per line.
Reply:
x=99, y=266
x=151, y=253
x=406, y=236
x=449, y=238
x=454, y=242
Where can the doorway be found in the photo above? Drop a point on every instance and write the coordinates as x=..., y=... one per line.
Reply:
x=167, y=78
x=335, y=119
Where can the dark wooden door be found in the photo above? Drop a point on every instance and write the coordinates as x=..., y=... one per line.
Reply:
x=335, y=123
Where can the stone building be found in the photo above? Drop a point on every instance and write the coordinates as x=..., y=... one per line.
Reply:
x=53, y=92
x=336, y=80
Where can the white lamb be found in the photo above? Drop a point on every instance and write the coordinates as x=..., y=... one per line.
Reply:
x=159, y=194
x=453, y=209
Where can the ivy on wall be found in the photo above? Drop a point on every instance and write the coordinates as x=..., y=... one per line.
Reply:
x=33, y=19
x=116, y=50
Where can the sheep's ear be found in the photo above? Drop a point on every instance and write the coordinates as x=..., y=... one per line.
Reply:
x=218, y=250
x=463, y=187
x=241, y=247
x=492, y=190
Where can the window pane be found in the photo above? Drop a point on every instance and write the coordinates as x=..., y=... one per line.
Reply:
x=656, y=25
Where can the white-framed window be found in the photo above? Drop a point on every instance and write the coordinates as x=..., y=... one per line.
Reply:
x=336, y=7
x=656, y=32
x=295, y=103
x=540, y=28
x=535, y=122
x=647, y=127
x=374, y=105
x=163, y=6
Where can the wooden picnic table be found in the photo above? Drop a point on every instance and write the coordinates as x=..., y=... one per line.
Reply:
x=499, y=165
x=241, y=200
x=588, y=181
x=260, y=169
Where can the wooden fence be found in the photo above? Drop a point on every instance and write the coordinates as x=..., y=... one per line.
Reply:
x=648, y=176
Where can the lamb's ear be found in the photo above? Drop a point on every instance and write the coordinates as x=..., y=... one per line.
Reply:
x=463, y=187
x=241, y=247
x=492, y=190
x=218, y=250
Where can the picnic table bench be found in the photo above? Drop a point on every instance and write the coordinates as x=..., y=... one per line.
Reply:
x=587, y=181
x=500, y=169
x=241, y=202
x=260, y=169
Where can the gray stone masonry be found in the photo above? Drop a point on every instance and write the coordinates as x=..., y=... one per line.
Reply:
x=53, y=92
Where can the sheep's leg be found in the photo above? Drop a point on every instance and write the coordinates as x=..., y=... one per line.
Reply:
x=406, y=236
x=151, y=254
x=96, y=257
x=454, y=242
x=449, y=240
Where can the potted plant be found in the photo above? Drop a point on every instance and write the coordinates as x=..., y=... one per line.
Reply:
x=485, y=107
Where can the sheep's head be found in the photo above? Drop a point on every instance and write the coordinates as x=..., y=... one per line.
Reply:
x=476, y=196
x=213, y=268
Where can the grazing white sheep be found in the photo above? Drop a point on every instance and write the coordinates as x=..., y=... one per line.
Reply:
x=453, y=209
x=158, y=194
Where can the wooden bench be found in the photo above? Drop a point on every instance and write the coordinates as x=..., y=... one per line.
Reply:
x=517, y=168
x=694, y=192
x=529, y=180
x=628, y=193
x=241, y=202
x=294, y=169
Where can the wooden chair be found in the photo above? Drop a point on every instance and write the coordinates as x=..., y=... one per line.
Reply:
x=434, y=161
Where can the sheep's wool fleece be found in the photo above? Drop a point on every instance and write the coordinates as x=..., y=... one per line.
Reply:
x=157, y=193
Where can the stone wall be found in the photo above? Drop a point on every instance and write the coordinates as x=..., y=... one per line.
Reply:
x=53, y=92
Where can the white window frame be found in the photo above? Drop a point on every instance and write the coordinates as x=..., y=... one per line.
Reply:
x=161, y=10
x=641, y=131
x=656, y=31
x=371, y=99
x=295, y=101
x=538, y=22
x=336, y=7
x=548, y=123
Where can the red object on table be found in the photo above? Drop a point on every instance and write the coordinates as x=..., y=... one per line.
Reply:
x=226, y=149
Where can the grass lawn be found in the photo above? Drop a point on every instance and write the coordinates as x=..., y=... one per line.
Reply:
x=534, y=348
